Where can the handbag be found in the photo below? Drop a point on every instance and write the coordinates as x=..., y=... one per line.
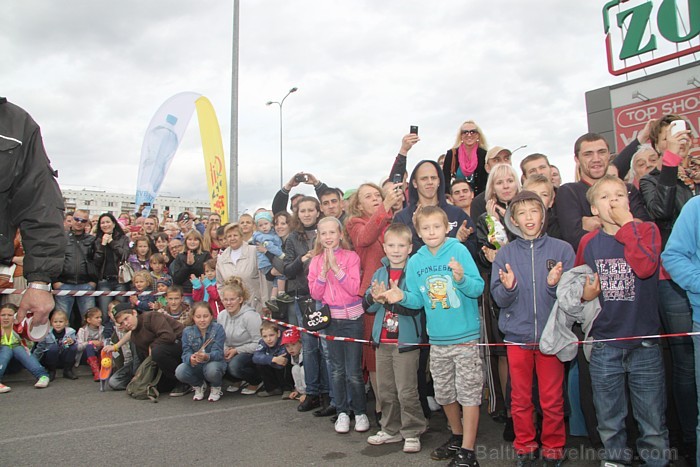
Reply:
x=313, y=319
x=126, y=273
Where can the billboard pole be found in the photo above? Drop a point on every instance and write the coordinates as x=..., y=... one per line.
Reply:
x=233, y=160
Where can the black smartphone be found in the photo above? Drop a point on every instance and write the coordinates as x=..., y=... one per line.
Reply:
x=167, y=208
x=414, y=129
x=146, y=204
x=397, y=178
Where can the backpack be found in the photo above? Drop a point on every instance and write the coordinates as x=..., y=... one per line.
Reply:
x=143, y=385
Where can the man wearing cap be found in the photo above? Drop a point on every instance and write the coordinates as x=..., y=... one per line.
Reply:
x=31, y=201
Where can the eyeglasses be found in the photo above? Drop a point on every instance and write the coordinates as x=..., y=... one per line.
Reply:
x=81, y=220
x=470, y=132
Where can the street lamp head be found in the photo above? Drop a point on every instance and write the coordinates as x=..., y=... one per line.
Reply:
x=294, y=90
x=269, y=103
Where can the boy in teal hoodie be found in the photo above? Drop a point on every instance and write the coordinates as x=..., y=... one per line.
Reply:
x=443, y=279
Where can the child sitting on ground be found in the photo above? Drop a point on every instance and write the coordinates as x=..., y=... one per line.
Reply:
x=14, y=347
x=524, y=281
x=291, y=340
x=203, y=354
x=272, y=362
x=443, y=279
x=175, y=305
x=58, y=347
x=91, y=341
x=624, y=253
x=204, y=288
x=397, y=331
x=142, y=282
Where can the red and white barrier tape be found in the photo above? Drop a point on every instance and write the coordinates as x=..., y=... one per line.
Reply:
x=85, y=293
x=500, y=344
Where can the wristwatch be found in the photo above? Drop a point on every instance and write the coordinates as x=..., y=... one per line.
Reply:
x=40, y=286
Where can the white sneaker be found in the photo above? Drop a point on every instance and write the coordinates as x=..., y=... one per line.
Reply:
x=233, y=388
x=198, y=393
x=42, y=382
x=411, y=445
x=361, y=423
x=215, y=393
x=382, y=437
x=4, y=388
x=342, y=425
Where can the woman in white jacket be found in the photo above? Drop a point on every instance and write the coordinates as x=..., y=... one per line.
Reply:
x=240, y=259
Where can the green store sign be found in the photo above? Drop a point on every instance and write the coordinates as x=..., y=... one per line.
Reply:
x=633, y=29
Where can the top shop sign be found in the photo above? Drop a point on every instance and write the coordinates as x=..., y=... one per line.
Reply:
x=641, y=33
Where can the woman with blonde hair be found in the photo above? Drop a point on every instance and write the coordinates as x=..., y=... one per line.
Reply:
x=467, y=158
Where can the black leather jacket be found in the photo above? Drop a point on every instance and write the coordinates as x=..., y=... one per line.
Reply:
x=664, y=196
x=79, y=263
x=29, y=197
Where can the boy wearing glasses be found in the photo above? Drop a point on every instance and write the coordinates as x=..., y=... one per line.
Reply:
x=79, y=271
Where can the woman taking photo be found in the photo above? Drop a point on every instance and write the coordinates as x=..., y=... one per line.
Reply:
x=466, y=159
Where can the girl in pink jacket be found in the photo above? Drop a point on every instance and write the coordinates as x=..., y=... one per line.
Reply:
x=334, y=280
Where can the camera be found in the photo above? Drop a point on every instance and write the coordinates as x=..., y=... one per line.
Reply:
x=301, y=178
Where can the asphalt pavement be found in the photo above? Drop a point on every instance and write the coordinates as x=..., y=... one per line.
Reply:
x=72, y=422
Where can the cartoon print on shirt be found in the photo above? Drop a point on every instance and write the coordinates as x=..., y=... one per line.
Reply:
x=616, y=279
x=441, y=290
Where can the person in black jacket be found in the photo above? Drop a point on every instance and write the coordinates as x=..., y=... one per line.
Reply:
x=111, y=249
x=31, y=201
x=79, y=272
x=188, y=263
x=279, y=203
x=467, y=158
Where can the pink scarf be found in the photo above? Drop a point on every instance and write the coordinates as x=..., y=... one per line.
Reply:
x=467, y=162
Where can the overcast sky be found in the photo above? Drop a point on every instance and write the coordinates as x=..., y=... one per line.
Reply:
x=92, y=74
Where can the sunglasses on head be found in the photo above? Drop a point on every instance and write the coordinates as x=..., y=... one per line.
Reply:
x=470, y=132
x=80, y=219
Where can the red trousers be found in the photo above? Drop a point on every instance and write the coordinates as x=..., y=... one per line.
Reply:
x=522, y=364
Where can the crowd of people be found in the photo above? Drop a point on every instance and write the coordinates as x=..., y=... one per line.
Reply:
x=465, y=250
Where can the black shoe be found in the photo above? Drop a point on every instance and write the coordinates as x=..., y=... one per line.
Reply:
x=285, y=298
x=447, y=450
x=272, y=306
x=529, y=460
x=310, y=403
x=67, y=373
x=499, y=417
x=509, y=431
x=181, y=389
x=378, y=418
x=553, y=462
x=325, y=411
x=52, y=375
x=464, y=458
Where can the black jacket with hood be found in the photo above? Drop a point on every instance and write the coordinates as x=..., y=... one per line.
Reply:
x=454, y=214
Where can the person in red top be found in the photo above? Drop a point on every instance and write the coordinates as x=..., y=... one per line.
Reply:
x=370, y=214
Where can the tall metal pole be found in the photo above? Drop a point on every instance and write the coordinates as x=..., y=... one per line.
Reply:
x=233, y=160
x=281, y=103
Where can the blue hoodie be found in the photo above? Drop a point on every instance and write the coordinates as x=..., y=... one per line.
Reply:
x=454, y=214
x=451, y=309
x=526, y=308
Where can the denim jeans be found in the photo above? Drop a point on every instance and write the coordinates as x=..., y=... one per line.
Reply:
x=23, y=356
x=696, y=347
x=643, y=369
x=676, y=317
x=241, y=367
x=104, y=301
x=211, y=372
x=65, y=303
x=346, y=364
x=315, y=369
x=59, y=356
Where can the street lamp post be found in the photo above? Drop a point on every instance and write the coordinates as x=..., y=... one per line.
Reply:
x=281, y=103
